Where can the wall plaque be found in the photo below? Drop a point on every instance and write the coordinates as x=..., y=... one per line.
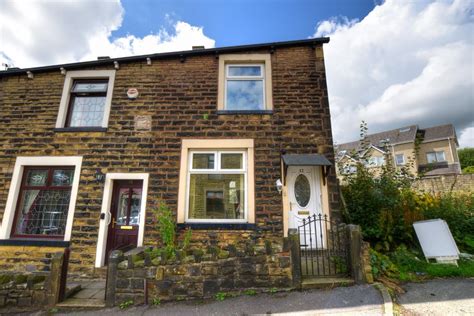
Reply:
x=143, y=123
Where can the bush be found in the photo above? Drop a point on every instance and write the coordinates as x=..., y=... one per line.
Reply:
x=466, y=157
x=166, y=227
x=469, y=169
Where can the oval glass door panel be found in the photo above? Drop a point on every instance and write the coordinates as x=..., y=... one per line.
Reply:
x=302, y=190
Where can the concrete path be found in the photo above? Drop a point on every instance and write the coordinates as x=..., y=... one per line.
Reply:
x=354, y=300
x=439, y=297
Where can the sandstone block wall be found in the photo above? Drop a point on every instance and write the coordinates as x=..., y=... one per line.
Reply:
x=181, y=99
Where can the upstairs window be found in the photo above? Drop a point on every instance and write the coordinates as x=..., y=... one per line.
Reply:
x=435, y=156
x=244, y=87
x=87, y=103
x=86, y=100
x=245, y=84
x=376, y=161
x=400, y=159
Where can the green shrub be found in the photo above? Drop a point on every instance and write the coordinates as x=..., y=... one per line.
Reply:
x=166, y=227
x=469, y=169
x=466, y=157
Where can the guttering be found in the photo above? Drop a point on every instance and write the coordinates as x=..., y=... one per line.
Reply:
x=180, y=54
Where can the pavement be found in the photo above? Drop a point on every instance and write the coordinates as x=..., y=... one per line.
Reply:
x=438, y=297
x=353, y=300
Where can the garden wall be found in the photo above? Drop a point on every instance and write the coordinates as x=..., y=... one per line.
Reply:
x=34, y=288
x=142, y=277
x=444, y=184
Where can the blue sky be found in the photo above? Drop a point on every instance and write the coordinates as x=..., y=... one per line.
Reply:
x=391, y=63
x=239, y=22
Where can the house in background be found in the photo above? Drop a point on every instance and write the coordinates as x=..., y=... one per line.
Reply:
x=425, y=152
x=87, y=150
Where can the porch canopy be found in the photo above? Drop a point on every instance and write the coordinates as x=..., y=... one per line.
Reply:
x=306, y=160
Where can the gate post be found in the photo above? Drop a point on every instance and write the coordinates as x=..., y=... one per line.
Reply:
x=355, y=252
x=111, y=283
x=295, y=252
x=55, y=279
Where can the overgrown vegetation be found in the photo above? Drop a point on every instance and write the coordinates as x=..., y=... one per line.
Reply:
x=385, y=206
x=466, y=158
x=168, y=245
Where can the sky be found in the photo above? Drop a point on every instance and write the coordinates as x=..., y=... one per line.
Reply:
x=390, y=63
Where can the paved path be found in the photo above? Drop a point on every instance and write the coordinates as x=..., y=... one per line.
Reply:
x=439, y=297
x=360, y=299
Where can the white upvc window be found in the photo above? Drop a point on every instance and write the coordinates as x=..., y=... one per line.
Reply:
x=400, y=159
x=376, y=161
x=435, y=156
x=217, y=186
x=245, y=87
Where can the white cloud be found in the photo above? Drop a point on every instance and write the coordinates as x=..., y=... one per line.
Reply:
x=407, y=62
x=40, y=32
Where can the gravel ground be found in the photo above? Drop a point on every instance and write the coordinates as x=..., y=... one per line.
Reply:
x=439, y=297
x=353, y=300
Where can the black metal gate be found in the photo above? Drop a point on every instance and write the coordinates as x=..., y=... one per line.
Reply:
x=324, y=247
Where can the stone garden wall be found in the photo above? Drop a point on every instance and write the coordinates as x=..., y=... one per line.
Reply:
x=444, y=184
x=143, y=277
x=43, y=287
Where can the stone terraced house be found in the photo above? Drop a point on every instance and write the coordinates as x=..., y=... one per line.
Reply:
x=235, y=140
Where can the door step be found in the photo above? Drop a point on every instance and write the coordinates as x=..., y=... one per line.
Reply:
x=82, y=303
x=325, y=283
x=72, y=289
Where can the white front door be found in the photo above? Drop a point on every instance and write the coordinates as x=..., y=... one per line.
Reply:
x=304, y=190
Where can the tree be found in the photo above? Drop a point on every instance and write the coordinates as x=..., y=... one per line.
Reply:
x=466, y=157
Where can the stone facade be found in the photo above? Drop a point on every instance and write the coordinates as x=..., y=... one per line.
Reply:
x=179, y=95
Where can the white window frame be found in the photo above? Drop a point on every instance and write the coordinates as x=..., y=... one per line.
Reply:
x=217, y=170
x=15, y=186
x=245, y=78
x=436, y=153
x=245, y=60
x=403, y=159
x=71, y=76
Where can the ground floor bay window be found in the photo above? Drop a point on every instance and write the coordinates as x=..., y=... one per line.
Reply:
x=217, y=182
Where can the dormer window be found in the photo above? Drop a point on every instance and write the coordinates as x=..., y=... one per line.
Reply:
x=87, y=103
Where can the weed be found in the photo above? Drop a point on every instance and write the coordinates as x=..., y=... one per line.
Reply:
x=156, y=301
x=125, y=304
x=250, y=292
x=220, y=296
x=273, y=290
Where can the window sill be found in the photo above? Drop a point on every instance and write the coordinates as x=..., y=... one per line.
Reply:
x=253, y=112
x=34, y=242
x=80, y=129
x=217, y=226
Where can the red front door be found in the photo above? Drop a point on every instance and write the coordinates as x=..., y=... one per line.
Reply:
x=125, y=210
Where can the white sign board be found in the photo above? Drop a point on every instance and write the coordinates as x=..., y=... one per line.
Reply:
x=436, y=240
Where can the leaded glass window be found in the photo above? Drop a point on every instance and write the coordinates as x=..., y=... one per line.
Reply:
x=43, y=202
x=217, y=186
x=87, y=103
